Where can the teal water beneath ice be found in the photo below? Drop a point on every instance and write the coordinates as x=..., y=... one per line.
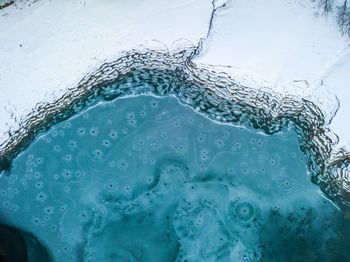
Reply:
x=148, y=179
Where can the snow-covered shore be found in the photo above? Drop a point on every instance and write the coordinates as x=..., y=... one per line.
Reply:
x=289, y=46
x=46, y=47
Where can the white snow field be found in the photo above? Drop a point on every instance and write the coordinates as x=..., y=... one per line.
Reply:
x=46, y=47
x=288, y=45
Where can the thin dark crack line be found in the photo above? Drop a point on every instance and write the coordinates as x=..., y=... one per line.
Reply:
x=199, y=47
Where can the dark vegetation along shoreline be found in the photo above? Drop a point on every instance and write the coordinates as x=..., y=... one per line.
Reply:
x=342, y=13
x=213, y=94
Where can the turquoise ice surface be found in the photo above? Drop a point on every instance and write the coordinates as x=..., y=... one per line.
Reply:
x=148, y=179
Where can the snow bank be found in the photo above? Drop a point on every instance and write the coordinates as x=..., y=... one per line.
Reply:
x=287, y=45
x=48, y=46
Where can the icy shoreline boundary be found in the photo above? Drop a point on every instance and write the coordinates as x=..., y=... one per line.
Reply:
x=42, y=66
x=212, y=93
